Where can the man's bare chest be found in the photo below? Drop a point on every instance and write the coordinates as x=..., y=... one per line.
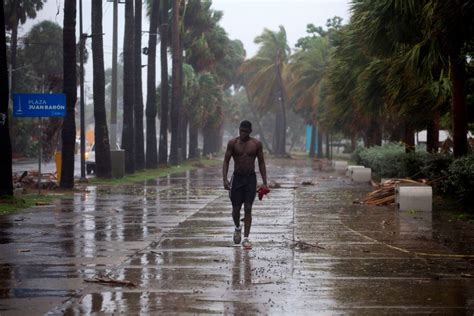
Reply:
x=245, y=150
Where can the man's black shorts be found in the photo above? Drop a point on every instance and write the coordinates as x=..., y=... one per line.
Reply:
x=243, y=189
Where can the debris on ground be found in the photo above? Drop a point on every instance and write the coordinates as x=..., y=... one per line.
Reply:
x=385, y=191
x=307, y=182
x=108, y=280
x=29, y=180
x=302, y=245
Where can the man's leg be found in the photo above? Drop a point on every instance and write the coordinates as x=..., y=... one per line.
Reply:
x=236, y=215
x=247, y=218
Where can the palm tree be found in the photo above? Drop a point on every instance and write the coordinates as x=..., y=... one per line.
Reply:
x=18, y=11
x=138, y=107
x=151, y=146
x=267, y=85
x=164, y=96
x=308, y=69
x=176, y=89
x=102, y=146
x=431, y=35
x=128, y=130
x=6, y=184
x=70, y=90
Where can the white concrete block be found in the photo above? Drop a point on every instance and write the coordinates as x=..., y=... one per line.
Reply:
x=416, y=198
x=361, y=175
x=350, y=168
x=340, y=166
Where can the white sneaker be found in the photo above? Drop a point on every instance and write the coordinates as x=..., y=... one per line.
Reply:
x=246, y=244
x=237, y=235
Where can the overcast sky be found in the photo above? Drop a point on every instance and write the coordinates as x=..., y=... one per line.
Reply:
x=243, y=20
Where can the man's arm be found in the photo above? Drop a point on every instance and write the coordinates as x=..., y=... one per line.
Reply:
x=261, y=164
x=225, y=166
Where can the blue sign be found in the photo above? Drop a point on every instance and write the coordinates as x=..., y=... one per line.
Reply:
x=39, y=104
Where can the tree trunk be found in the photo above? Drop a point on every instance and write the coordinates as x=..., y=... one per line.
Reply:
x=103, y=167
x=409, y=139
x=183, y=116
x=459, y=106
x=320, y=144
x=208, y=134
x=68, y=133
x=138, y=95
x=151, y=146
x=183, y=139
x=6, y=184
x=257, y=121
x=327, y=146
x=13, y=51
x=193, y=141
x=374, y=133
x=432, y=134
x=353, y=142
x=175, y=88
x=312, y=142
x=163, y=151
x=281, y=140
x=128, y=135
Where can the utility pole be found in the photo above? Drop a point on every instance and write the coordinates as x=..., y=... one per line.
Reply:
x=113, y=106
x=82, y=42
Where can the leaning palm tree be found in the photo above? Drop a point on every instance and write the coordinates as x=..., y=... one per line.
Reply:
x=164, y=95
x=267, y=85
x=308, y=68
x=151, y=159
x=128, y=130
x=6, y=185
x=432, y=36
x=103, y=167
x=17, y=12
x=70, y=90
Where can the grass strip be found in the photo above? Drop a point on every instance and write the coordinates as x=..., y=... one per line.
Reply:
x=11, y=204
x=149, y=174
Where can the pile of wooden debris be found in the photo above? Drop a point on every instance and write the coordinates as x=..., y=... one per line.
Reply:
x=385, y=191
x=29, y=180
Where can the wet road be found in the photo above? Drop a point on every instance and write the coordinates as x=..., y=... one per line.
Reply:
x=173, y=239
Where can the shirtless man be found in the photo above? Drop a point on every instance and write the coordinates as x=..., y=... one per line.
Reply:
x=242, y=188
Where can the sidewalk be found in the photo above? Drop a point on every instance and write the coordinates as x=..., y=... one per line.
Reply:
x=173, y=239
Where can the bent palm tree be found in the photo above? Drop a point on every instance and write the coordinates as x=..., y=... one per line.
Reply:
x=266, y=85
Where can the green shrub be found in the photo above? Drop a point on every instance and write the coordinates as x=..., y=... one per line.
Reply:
x=460, y=179
x=390, y=161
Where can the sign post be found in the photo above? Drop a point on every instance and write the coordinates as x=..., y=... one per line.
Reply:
x=39, y=105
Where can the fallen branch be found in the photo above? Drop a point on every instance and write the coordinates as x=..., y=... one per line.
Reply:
x=107, y=280
x=303, y=245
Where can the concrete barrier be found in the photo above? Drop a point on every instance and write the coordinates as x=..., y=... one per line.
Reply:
x=340, y=166
x=361, y=174
x=414, y=197
x=350, y=168
x=117, y=158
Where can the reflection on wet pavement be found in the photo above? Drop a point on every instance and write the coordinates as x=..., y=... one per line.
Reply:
x=172, y=237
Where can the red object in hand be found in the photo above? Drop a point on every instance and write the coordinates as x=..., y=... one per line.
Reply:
x=262, y=191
